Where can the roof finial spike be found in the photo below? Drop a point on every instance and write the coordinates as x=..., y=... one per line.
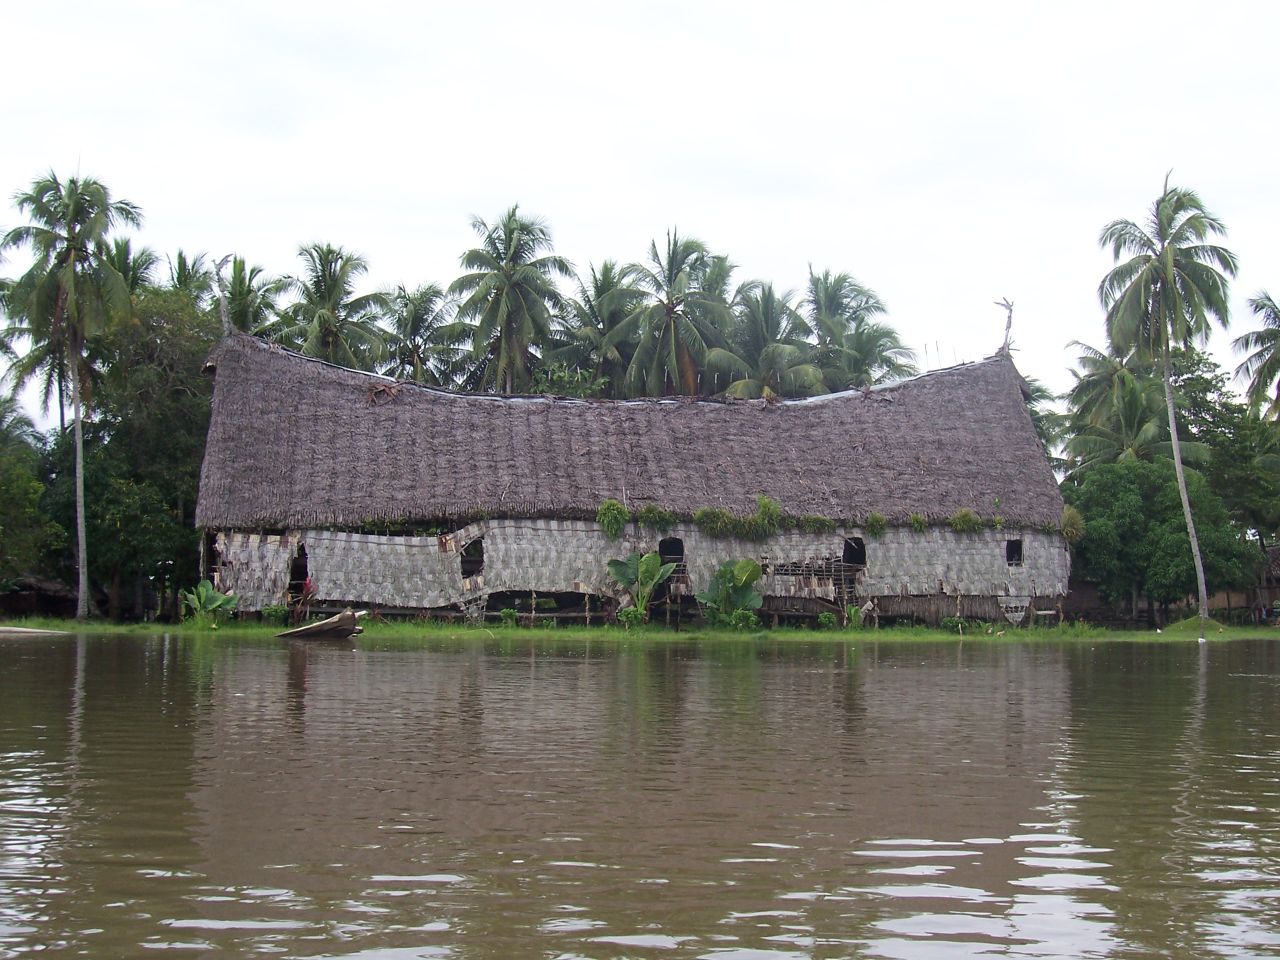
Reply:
x=1008, y=323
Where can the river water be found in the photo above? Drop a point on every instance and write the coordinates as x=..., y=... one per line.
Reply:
x=746, y=801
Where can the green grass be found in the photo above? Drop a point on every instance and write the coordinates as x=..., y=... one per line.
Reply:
x=407, y=634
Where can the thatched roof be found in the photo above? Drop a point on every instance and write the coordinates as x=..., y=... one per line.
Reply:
x=295, y=442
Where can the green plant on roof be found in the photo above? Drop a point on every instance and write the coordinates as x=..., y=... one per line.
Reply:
x=965, y=520
x=655, y=518
x=613, y=517
x=875, y=525
x=761, y=525
x=918, y=523
x=815, y=523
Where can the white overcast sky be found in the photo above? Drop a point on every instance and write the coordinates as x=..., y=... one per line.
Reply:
x=945, y=154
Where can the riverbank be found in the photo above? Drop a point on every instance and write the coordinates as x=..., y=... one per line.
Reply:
x=409, y=633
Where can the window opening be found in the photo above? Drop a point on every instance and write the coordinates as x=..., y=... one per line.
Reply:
x=473, y=557
x=671, y=550
x=298, y=571
x=1013, y=552
x=855, y=551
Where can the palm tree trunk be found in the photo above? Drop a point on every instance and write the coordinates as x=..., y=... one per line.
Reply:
x=1186, y=501
x=82, y=557
x=62, y=404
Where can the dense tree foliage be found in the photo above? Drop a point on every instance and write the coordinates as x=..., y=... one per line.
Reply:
x=101, y=319
x=1135, y=540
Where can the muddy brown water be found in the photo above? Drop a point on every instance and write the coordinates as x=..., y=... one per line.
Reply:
x=745, y=801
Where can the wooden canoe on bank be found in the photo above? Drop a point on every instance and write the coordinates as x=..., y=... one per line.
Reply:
x=338, y=627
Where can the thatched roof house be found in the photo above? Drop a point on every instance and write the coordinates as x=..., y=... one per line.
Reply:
x=299, y=445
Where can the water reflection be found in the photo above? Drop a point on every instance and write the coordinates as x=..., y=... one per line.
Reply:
x=728, y=801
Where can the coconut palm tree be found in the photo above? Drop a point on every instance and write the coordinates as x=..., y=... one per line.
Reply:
x=17, y=432
x=766, y=357
x=1134, y=426
x=1162, y=295
x=251, y=297
x=853, y=347
x=37, y=350
x=1101, y=378
x=425, y=342
x=510, y=295
x=604, y=301
x=68, y=293
x=679, y=320
x=1051, y=425
x=1262, y=366
x=136, y=268
x=328, y=320
x=192, y=275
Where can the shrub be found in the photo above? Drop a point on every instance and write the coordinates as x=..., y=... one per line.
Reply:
x=814, y=523
x=965, y=521
x=655, y=518
x=826, y=621
x=954, y=624
x=997, y=522
x=276, y=615
x=508, y=615
x=732, y=588
x=613, y=517
x=630, y=617
x=744, y=620
x=918, y=523
x=875, y=525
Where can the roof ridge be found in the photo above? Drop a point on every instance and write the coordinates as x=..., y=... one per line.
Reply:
x=250, y=341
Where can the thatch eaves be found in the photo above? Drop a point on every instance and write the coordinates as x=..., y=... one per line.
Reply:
x=295, y=442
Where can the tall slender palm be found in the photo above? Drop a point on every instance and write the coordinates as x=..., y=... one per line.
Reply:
x=328, y=320
x=510, y=295
x=1164, y=295
x=425, y=342
x=604, y=301
x=1262, y=366
x=680, y=319
x=68, y=293
x=766, y=357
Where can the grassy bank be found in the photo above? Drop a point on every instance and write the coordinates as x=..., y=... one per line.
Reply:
x=412, y=633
